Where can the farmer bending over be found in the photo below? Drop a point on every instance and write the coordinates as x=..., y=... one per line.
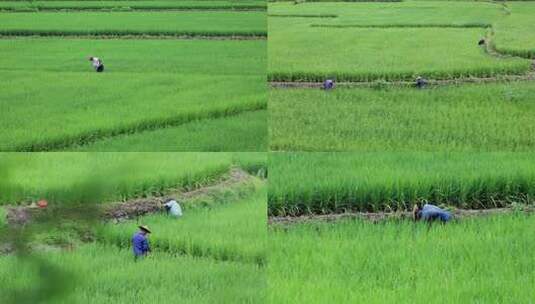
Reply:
x=172, y=207
x=430, y=213
x=97, y=64
x=140, y=242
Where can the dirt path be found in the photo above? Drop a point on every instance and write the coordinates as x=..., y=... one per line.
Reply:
x=382, y=216
x=121, y=211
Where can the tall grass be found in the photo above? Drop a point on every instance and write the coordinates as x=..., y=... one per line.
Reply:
x=102, y=274
x=491, y=117
x=303, y=183
x=485, y=260
x=243, y=132
x=62, y=177
x=133, y=23
x=233, y=231
x=66, y=103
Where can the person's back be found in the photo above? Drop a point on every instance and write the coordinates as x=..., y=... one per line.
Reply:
x=431, y=212
x=173, y=208
x=140, y=244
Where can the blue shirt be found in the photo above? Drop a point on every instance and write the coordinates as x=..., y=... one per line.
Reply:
x=140, y=244
x=431, y=212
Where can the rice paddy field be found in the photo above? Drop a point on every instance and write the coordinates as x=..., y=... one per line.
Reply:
x=479, y=97
x=166, y=72
x=214, y=253
x=481, y=260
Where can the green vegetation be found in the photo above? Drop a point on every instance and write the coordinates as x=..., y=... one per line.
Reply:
x=130, y=5
x=515, y=33
x=2, y=217
x=484, y=260
x=206, y=23
x=234, y=231
x=242, y=132
x=65, y=103
x=63, y=177
x=386, y=53
x=491, y=117
x=302, y=183
x=103, y=274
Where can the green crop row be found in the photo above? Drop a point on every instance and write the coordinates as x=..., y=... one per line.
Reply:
x=102, y=274
x=319, y=183
x=71, y=177
x=482, y=260
x=477, y=117
x=409, y=25
x=209, y=23
x=234, y=231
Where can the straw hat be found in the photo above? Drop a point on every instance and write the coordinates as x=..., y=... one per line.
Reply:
x=145, y=227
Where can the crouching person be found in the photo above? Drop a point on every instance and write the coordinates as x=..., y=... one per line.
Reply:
x=172, y=208
x=431, y=213
x=140, y=242
x=97, y=64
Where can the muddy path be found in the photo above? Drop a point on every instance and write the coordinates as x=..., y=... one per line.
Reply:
x=235, y=179
x=376, y=217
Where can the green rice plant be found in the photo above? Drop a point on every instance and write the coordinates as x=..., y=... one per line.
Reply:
x=63, y=177
x=491, y=117
x=483, y=260
x=382, y=54
x=3, y=219
x=243, y=132
x=321, y=183
x=212, y=23
x=515, y=33
x=66, y=103
x=233, y=231
x=130, y=5
x=103, y=274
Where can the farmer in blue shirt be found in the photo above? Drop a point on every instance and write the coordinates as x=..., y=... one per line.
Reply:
x=140, y=242
x=431, y=213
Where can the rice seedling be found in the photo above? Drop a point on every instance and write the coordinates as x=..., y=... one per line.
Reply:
x=483, y=260
x=490, y=117
x=321, y=183
x=58, y=176
x=66, y=103
x=514, y=33
x=207, y=23
x=242, y=132
x=95, y=273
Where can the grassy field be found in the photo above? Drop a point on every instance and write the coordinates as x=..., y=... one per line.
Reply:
x=320, y=183
x=50, y=82
x=484, y=260
x=356, y=54
x=515, y=33
x=204, y=23
x=393, y=41
x=63, y=177
x=233, y=231
x=242, y=132
x=491, y=117
x=130, y=5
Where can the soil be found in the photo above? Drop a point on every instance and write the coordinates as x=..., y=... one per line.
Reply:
x=382, y=216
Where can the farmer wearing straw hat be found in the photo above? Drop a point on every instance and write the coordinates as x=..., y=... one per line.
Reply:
x=430, y=213
x=140, y=242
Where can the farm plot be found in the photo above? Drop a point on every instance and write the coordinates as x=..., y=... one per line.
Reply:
x=515, y=33
x=202, y=23
x=322, y=183
x=148, y=84
x=364, y=54
x=486, y=260
x=242, y=132
x=18, y=6
x=58, y=176
x=491, y=117
x=234, y=231
x=104, y=274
